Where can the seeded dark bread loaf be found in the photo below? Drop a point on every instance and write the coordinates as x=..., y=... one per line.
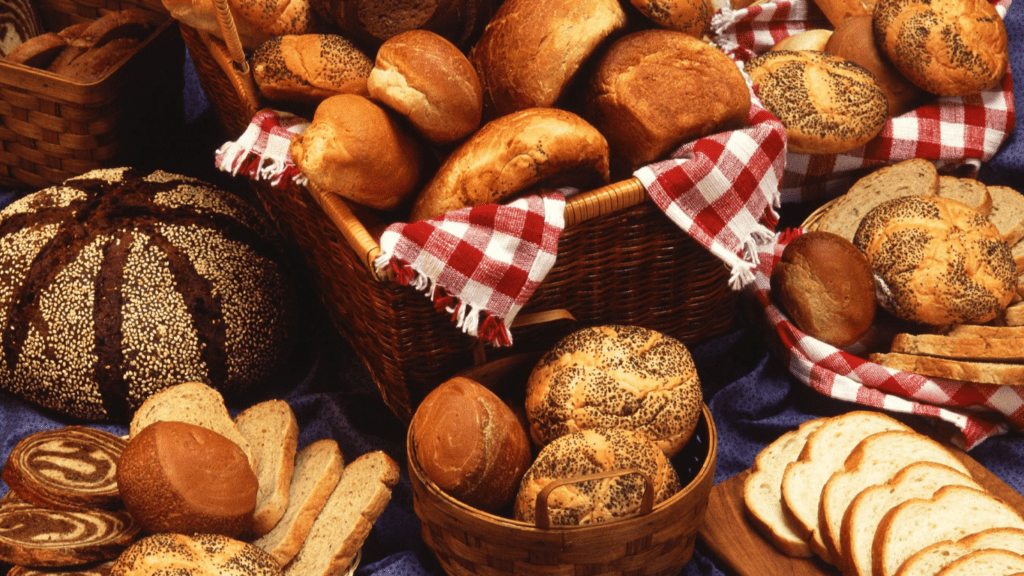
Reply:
x=194, y=555
x=615, y=377
x=308, y=68
x=590, y=452
x=119, y=284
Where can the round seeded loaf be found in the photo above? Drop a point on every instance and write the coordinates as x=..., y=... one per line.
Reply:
x=118, y=284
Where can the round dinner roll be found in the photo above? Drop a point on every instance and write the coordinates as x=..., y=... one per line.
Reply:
x=373, y=22
x=692, y=17
x=308, y=68
x=827, y=104
x=854, y=39
x=194, y=555
x=425, y=78
x=355, y=148
x=814, y=39
x=656, y=89
x=824, y=283
x=593, y=452
x=470, y=443
x=615, y=376
x=947, y=47
x=937, y=261
x=183, y=478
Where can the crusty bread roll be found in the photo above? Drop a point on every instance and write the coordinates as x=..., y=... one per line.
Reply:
x=656, y=89
x=372, y=22
x=827, y=104
x=309, y=68
x=936, y=261
x=854, y=39
x=690, y=16
x=532, y=49
x=592, y=452
x=947, y=47
x=511, y=154
x=194, y=555
x=357, y=149
x=837, y=11
x=256, y=22
x=183, y=478
x=825, y=285
x=814, y=39
x=615, y=376
x=424, y=77
x=470, y=444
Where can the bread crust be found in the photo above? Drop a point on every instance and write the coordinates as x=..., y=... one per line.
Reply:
x=308, y=68
x=273, y=434
x=692, y=17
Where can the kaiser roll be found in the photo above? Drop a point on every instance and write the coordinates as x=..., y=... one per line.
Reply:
x=690, y=16
x=947, y=47
x=656, y=89
x=937, y=261
x=309, y=68
x=824, y=284
x=357, y=149
x=470, y=443
x=615, y=377
x=194, y=555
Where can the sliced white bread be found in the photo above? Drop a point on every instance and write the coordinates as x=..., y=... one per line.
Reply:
x=952, y=513
x=318, y=468
x=1007, y=213
x=1014, y=316
x=984, y=331
x=985, y=563
x=968, y=191
x=875, y=460
x=762, y=490
x=967, y=370
x=934, y=558
x=344, y=523
x=957, y=346
x=865, y=512
x=195, y=403
x=273, y=433
x=823, y=454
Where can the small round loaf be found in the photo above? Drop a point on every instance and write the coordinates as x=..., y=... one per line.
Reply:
x=183, y=478
x=937, y=261
x=854, y=39
x=615, y=377
x=194, y=555
x=813, y=39
x=425, y=78
x=591, y=452
x=372, y=22
x=827, y=104
x=947, y=47
x=255, y=21
x=656, y=89
x=690, y=16
x=514, y=153
x=355, y=148
x=825, y=286
x=309, y=68
x=471, y=444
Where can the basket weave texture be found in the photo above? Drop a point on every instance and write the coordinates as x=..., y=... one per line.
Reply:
x=53, y=128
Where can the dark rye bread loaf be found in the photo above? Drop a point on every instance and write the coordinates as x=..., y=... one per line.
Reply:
x=118, y=284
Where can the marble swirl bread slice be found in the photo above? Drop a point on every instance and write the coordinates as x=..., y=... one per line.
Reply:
x=66, y=468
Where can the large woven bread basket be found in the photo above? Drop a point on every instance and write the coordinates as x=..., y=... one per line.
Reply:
x=620, y=260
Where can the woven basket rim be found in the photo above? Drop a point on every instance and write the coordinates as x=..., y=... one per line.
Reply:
x=814, y=218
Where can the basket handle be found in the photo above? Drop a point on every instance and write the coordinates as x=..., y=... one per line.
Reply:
x=543, y=520
x=229, y=55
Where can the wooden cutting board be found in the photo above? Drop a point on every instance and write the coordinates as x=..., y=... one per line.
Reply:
x=734, y=540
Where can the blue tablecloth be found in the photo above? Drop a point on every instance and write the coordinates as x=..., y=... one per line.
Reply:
x=752, y=397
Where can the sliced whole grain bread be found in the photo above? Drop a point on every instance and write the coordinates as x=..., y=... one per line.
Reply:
x=1007, y=213
x=931, y=559
x=950, y=514
x=1014, y=316
x=865, y=512
x=823, y=454
x=342, y=526
x=317, y=469
x=985, y=562
x=963, y=347
x=914, y=177
x=968, y=191
x=273, y=433
x=984, y=331
x=875, y=460
x=966, y=370
x=762, y=490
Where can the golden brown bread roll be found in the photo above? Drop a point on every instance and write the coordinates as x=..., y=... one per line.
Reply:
x=836, y=11
x=372, y=22
x=357, y=149
x=814, y=39
x=256, y=22
x=309, y=68
x=690, y=16
x=512, y=154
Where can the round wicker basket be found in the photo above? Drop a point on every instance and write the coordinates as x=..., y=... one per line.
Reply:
x=814, y=218
x=468, y=541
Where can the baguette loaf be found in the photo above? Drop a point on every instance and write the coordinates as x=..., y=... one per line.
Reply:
x=934, y=558
x=273, y=433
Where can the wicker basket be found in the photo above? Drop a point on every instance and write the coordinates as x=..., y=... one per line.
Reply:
x=620, y=260
x=53, y=128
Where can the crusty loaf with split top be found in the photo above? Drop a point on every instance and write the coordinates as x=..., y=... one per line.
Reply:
x=936, y=557
x=273, y=433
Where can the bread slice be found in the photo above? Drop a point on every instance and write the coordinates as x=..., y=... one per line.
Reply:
x=966, y=370
x=934, y=558
x=1017, y=250
x=967, y=191
x=823, y=454
x=1014, y=315
x=342, y=526
x=762, y=490
x=963, y=347
x=865, y=512
x=874, y=461
x=1007, y=213
x=273, y=433
x=952, y=513
x=194, y=403
x=984, y=331
x=987, y=562
x=914, y=177
x=317, y=468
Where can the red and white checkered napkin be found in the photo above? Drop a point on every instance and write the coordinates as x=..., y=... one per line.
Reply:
x=977, y=410
x=954, y=132
x=261, y=152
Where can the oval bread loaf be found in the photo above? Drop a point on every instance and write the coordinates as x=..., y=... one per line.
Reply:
x=194, y=555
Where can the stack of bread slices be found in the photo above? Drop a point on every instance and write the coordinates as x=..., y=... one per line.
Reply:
x=871, y=496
